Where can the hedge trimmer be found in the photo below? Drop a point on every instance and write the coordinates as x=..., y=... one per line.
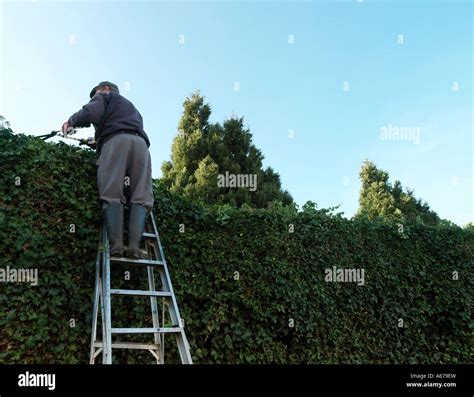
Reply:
x=82, y=141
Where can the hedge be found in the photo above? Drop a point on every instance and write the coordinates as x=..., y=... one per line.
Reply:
x=250, y=283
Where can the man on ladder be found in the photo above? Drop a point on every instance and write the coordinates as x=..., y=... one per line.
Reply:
x=122, y=150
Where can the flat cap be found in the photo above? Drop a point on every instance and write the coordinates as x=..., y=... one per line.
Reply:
x=112, y=86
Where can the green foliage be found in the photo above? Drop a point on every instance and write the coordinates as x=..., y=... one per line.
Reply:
x=240, y=275
x=379, y=199
x=469, y=227
x=201, y=151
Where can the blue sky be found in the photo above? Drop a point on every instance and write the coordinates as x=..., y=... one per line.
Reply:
x=400, y=60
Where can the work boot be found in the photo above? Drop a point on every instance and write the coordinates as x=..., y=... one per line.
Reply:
x=113, y=218
x=136, y=226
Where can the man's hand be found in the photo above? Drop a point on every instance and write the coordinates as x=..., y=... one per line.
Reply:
x=91, y=143
x=66, y=128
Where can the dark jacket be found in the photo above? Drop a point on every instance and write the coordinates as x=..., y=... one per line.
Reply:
x=110, y=114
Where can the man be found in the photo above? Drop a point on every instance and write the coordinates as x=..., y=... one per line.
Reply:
x=122, y=150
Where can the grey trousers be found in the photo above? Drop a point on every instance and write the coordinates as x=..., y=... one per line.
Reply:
x=125, y=155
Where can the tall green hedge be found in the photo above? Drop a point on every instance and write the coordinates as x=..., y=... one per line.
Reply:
x=250, y=283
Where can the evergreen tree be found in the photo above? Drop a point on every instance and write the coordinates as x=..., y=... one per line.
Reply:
x=469, y=226
x=378, y=198
x=202, y=151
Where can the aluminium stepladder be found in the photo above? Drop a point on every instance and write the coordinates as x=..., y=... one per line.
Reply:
x=102, y=299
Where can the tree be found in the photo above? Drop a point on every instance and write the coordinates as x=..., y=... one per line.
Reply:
x=469, y=227
x=203, y=152
x=378, y=198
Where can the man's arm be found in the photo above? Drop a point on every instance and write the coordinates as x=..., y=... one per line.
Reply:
x=90, y=113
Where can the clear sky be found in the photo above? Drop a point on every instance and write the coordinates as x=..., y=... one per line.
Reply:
x=350, y=71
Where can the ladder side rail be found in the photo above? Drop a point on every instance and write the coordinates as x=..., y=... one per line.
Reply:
x=174, y=310
x=183, y=348
x=96, y=305
x=181, y=340
x=107, y=304
x=153, y=304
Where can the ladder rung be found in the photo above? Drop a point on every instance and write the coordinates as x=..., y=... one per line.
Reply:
x=130, y=345
x=146, y=262
x=145, y=234
x=139, y=293
x=145, y=330
x=149, y=235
